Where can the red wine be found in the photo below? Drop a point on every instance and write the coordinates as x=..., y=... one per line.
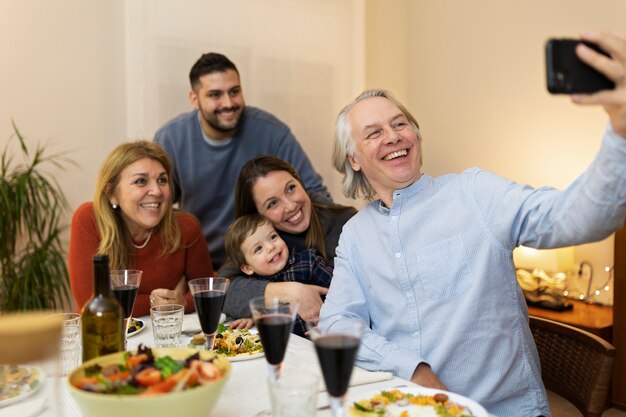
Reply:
x=274, y=330
x=126, y=295
x=209, y=307
x=336, y=354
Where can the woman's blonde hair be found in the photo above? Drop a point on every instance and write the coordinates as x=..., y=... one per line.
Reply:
x=115, y=238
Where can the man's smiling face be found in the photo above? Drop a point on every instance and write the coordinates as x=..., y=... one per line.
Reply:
x=387, y=148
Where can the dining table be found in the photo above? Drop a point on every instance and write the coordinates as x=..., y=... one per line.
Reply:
x=244, y=394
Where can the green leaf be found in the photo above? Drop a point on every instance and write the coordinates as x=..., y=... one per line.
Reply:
x=33, y=271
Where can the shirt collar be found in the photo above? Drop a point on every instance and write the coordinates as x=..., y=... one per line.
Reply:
x=406, y=192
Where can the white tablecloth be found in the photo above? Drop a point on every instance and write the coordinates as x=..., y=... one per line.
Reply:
x=245, y=393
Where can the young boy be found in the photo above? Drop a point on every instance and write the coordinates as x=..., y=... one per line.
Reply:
x=254, y=247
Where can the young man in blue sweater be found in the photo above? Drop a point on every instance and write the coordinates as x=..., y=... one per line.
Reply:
x=209, y=145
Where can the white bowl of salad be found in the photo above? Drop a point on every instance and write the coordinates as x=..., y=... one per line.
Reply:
x=160, y=382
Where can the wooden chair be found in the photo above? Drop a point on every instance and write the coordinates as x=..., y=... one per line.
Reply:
x=575, y=364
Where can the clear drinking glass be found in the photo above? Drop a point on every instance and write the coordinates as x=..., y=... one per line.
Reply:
x=167, y=324
x=71, y=346
x=294, y=395
x=274, y=320
x=125, y=285
x=336, y=352
x=208, y=296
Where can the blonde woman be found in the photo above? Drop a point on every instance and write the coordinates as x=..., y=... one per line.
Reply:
x=132, y=220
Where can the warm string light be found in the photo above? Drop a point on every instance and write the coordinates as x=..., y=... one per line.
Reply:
x=591, y=294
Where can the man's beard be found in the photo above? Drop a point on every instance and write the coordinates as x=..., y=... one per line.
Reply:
x=215, y=123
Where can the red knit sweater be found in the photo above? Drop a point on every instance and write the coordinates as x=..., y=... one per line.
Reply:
x=191, y=260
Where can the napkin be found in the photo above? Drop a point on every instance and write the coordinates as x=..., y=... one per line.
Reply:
x=359, y=376
x=362, y=377
x=191, y=323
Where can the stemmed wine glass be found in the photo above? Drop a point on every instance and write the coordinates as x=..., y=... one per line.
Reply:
x=336, y=352
x=208, y=296
x=274, y=320
x=125, y=285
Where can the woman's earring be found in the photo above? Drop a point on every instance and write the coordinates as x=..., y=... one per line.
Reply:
x=114, y=206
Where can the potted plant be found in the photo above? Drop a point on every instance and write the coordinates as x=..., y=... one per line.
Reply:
x=34, y=275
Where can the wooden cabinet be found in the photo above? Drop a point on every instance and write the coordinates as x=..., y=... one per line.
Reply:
x=593, y=318
x=619, y=320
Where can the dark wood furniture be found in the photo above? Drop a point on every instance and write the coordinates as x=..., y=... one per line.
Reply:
x=619, y=325
x=575, y=364
x=593, y=318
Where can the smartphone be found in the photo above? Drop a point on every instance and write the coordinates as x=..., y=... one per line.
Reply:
x=566, y=74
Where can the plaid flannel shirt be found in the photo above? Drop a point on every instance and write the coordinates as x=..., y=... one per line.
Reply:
x=306, y=266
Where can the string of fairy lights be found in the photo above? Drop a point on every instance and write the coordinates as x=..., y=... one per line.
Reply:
x=570, y=286
x=585, y=274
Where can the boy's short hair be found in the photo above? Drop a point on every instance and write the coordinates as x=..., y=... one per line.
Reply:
x=238, y=232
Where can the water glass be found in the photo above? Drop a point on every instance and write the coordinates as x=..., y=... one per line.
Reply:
x=71, y=346
x=167, y=324
x=294, y=395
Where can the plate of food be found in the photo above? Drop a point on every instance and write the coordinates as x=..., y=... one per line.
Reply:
x=237, y=344
x=414, y=402
x=18, y=382
x=135, y=327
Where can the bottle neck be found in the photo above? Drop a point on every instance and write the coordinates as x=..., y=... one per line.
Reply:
x=102, y=279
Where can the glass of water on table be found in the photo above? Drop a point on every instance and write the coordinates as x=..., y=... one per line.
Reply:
x=167, y=324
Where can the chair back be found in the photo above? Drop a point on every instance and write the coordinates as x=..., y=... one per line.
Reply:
x=575, y=364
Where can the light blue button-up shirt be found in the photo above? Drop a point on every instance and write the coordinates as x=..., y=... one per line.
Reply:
x=434, y=277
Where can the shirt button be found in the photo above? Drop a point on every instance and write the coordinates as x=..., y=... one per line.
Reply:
x=408, y=295
x=394, y=217
x=398, y=254
x=415, y=334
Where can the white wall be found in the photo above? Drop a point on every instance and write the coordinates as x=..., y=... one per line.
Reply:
x=62, y=81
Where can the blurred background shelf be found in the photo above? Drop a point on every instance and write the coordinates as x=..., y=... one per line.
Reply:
x=596, y=319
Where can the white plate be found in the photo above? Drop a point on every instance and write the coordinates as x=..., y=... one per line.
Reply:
x=476, y=409
x=137, y=322
x=25, y=386
x=245, y=357
x=27, y=408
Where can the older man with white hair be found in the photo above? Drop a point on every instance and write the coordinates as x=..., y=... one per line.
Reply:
x=428, y=265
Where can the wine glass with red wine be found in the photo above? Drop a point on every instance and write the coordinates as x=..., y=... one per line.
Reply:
x=336, y=351
x=125, y=285
x=274, y=320
x=208, y=296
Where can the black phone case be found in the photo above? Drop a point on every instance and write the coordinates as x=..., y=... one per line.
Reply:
x=566, y=74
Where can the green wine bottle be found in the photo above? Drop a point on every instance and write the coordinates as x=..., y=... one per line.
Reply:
x=102, y=316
